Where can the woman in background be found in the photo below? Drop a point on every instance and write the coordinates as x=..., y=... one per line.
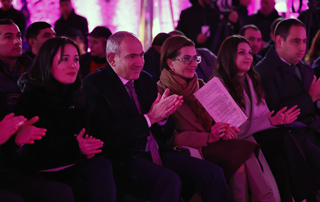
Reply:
x=51, y=91
x=195, y=128
x=314, y=51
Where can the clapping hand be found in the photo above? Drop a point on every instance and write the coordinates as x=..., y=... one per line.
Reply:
x=164, y=106
x=89, y=145
x=9, y=125
x=284, y=116
x=28, y=133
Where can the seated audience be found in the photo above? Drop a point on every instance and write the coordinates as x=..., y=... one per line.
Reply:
x=51, y=90
x=314, y=51
x=96, y=59
x=253, y=35
x=12, y=62
x=37, y=33
x=152, y=56
x=278, y=145
x=288, y=81
x=129, y=115
x=16, y=187
x=195, y=127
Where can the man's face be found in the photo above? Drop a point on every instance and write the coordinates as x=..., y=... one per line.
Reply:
x=10, y=41
x=97, y=46
x=254, y=38
x=130, y=62
x=65, y=7
x=42, y=37
x=6, y=4
x=267, y=6
x=294, y=48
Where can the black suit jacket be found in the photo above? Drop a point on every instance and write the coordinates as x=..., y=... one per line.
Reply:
x=284, y=88
x=114, y=117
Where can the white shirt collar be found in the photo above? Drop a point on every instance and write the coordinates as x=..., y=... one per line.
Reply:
x=123, y=80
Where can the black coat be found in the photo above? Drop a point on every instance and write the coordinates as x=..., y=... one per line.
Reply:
x=114, y=117
x=62, y=112
x=284, y=88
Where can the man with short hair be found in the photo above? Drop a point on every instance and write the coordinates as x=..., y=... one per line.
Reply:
x=12, y=62
x=38, y=33
x=264, y=18
x=96, y=59
x=128, y=114
x=253, y=35
x=288, y=81
x=69, y=19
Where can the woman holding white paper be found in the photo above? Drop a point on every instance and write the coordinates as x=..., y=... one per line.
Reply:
x=282, y=150
x=195, y=127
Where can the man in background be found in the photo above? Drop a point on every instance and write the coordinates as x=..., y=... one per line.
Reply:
x=96, y=58
x=38, y=33
x=70, y=19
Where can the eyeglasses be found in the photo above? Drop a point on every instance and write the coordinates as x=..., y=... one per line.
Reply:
x=188, y=60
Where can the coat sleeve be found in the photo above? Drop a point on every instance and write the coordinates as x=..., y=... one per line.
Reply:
x=108, y=118
x=275, y=88
x=57, y=148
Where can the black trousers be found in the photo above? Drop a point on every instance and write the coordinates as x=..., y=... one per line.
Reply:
x=18, y=188
x=179, y=175
x=91, y=180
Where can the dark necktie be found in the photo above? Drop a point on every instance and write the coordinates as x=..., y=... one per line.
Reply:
x=151, y=141
x=297, y=71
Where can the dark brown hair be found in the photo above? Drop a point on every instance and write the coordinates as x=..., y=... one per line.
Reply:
x=227, y=70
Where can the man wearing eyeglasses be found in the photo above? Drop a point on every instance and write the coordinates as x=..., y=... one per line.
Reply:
x=127, y=114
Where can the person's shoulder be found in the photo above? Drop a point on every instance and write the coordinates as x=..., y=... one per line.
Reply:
x=190, y=11
x=26, y=60
x=145, y=76
x=204, y=52
x=97, y=76
x=303, y=64
x=79, y=17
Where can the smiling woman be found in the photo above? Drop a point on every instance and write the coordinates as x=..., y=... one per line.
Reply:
x=51, y=89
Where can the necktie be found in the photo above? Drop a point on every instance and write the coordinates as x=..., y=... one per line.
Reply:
x=150, y=139
x=297, y=71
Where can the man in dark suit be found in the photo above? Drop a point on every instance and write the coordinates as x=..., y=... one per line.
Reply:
x=131, y=122
x=288, y=82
